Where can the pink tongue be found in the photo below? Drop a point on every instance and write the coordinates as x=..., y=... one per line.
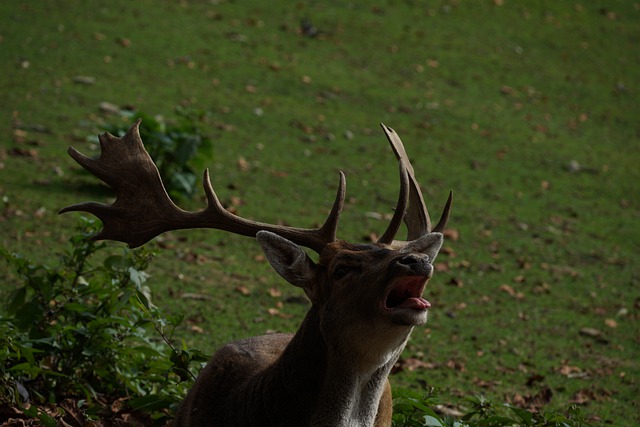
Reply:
x=417, y=303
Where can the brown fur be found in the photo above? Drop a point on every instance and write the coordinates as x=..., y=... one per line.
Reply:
x=334, y=370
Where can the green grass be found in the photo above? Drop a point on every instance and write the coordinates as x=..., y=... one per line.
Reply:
x=493, y=102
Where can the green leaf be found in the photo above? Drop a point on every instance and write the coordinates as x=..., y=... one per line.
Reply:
x=137, y=277
x=78, y=308
x=432, y=421
x=17, y=300
x=497, y=421
x=34, y=412
x=28, y=314
x=144, y=300
x=118, y=263
x=524, y=415
x=150, y=403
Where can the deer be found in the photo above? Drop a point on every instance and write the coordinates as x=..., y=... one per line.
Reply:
x=365, y=298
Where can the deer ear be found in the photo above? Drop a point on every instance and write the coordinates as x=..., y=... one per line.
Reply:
x=288, y=259
x=429, y=244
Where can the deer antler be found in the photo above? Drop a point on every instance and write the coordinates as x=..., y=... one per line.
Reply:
x=401, y=205
x=143, y=209
x=416, y=216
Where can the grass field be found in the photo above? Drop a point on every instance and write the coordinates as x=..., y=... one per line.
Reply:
x=527, y=110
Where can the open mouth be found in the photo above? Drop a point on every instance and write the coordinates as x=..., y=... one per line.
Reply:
x=407, y=293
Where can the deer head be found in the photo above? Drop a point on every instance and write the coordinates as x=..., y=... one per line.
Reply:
x=366, y=298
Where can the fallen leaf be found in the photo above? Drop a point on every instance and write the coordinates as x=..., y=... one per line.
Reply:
x=236, y=201
x=448, y=251
x=243, y=164
x=225, y=127
x=277, y=312
x=73, y=416
x=197, y=329
x=432, y=63
x=442, y=267
x=449, y=411
x=374, y=215
x=452, y=234
x=455, y=365
x=201, y=297
x=19, y=134
x=411, y=364
x=85, y=80
x=24, y=152
x=506, y=90
x=40, y=213
x=542, y=288
x=486, y=384
x=275, y=292
x=511, y=291
x=584, y=396
x=243, y=290
x=108, y=107
x=533, y=402
x=569, y=371
x=590, y=332
x=280, y=174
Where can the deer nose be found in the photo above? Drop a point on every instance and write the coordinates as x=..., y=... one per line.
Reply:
x=418, y=264
x=412, y=259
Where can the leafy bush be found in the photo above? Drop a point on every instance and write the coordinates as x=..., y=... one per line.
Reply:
x=175, y=148
x=82, y=330
x=413, y=409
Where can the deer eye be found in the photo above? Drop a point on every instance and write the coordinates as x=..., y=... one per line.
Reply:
x=341, y=271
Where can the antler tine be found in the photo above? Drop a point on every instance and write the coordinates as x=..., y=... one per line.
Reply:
x=444, y=217
x=216, y=216
x=401, y=206
x=330, y=227
x=143, y=209
x=417, y=216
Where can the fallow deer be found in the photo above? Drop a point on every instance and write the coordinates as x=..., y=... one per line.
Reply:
x=365, y=298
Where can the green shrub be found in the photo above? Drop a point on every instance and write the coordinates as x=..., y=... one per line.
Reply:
x=413, y=409
x=177, y=148
x=81, y=330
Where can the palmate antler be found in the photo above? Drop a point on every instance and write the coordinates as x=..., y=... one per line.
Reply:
x=416, y=215
x=143, y=209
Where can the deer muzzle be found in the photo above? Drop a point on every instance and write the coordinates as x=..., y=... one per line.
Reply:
x=403, y=297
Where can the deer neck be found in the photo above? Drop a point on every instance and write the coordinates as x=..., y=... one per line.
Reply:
x=344, y=391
